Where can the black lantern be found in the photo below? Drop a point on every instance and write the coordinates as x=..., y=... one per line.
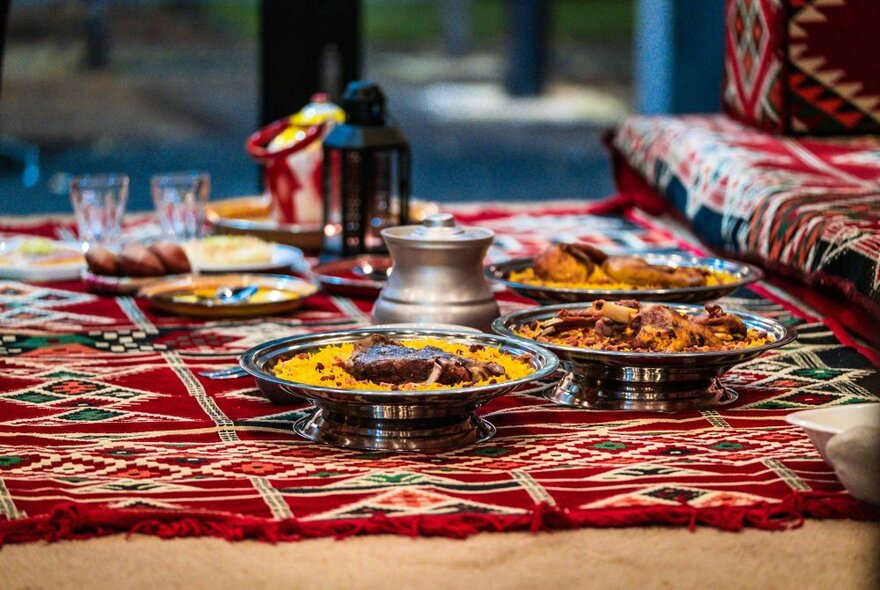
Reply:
x=366, y=174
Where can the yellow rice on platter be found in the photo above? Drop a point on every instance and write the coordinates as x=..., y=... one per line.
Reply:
x=304, y=368
x=600, y=280
x=588, y=338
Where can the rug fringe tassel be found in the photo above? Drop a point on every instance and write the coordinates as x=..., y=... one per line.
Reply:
x=73, y=521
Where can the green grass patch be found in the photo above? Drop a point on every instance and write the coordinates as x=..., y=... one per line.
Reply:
x=387, y=22
x=592, y=20
x=240, y=17
x=418, y=22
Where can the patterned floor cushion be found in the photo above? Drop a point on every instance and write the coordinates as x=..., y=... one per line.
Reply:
x=808, y=207
x=803, y=66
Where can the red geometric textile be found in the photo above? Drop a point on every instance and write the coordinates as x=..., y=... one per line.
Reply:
x=106, y=426
x=753, y=57
x=803, y=66
x=806, y=207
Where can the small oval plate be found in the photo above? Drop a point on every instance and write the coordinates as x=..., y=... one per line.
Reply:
x=192, y=295
x=363, y=276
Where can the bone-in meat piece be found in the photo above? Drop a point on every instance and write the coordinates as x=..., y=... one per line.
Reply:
x=576, y=263
x=722, y=323
x=664, y=329
x=568, y=262
x=382, y=360
x=636, y=271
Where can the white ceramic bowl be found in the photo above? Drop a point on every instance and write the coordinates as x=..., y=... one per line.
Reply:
x=820, y=425
x=848, y=438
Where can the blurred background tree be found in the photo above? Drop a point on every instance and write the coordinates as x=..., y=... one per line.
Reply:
x=144, y=86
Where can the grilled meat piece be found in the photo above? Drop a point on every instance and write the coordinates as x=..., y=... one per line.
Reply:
x=576, y=263
x=568, y=262
x=722, y=323
x=570, y=320
x=664, y=329
x=382, y=360
x=607, y=317
x=649, y=326
x=637, y=271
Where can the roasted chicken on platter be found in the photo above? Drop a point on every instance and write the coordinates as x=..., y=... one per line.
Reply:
x=632, y=326
x=582, y=265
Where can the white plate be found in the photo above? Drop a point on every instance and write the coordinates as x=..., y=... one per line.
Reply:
x=53, y=272
x=282, y=257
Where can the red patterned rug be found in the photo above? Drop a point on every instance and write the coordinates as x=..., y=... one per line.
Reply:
x=105, y=426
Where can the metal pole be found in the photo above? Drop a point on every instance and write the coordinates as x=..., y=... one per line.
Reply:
x=527, y=47
x=305, y=45
x=4, y=18
x=679, y=55
x=456, y=19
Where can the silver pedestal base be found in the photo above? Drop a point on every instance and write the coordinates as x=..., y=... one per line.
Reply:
x=602, y=394
x=377, y=434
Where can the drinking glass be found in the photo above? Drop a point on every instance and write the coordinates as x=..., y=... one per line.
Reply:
x=180, y=198
x=99, y=203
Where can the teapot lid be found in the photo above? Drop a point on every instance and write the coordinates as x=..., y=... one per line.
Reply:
x=438, y=228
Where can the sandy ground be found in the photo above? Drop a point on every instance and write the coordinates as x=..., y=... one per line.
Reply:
x=833, y=554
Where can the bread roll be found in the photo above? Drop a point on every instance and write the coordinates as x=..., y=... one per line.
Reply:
x=102, y=261
x=172, y=256
x=136, y=260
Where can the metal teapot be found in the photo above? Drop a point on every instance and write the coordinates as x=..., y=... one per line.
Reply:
x=437, y=275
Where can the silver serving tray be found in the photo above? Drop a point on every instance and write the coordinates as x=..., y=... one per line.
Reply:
x=744, y=273
x=639, y=381
x=430, y=420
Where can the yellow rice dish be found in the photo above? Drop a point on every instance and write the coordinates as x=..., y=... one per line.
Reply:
x=600, y=280
x=629, y=326
x=323, y=367
x=586, y=338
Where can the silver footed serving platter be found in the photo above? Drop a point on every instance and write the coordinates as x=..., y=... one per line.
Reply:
x=643, y=381
x=743, y=273
x=394, y=420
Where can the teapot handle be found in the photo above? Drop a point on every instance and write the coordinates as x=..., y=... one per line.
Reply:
x=257, y=142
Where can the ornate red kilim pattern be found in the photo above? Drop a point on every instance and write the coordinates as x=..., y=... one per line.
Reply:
x=803, y=66
x=105, y=425
x=753, y=61
x=809, y=207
